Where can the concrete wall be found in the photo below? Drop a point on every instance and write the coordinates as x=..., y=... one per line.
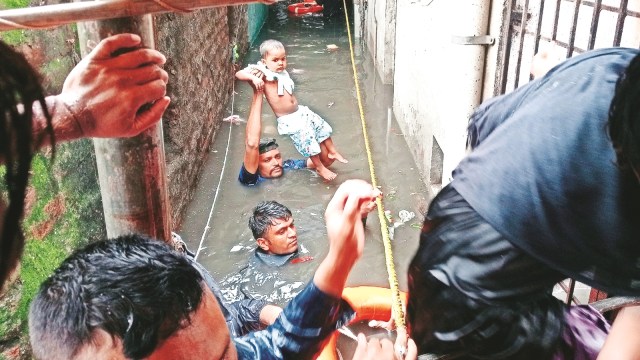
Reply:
x=198, y=48
x=257, y=15
x=437, y=83
x=380, y=23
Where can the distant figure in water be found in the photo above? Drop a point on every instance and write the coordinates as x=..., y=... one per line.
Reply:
x=310, y=134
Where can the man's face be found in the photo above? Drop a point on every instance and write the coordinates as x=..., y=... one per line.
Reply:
x=270, y=164
x=207, y=337
x=280, y=238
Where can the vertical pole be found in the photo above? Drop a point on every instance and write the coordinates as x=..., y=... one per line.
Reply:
x=132, y=171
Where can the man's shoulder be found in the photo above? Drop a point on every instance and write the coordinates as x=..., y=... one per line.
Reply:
x=247, y=178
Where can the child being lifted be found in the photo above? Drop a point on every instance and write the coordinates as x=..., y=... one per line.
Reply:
x=310, y=134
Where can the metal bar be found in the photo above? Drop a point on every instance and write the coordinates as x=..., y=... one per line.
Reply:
x=47, y=16
x=523, y=30
x=574, y=24
x=595, y=18
x=503, y=51
x=620, y=23
x=538, y=28
x=569, y=290
x=507, y=51
x=132, y=171
x=554, y=33
x=614, y=9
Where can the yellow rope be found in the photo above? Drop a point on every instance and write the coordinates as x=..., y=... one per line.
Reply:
x=391, y=270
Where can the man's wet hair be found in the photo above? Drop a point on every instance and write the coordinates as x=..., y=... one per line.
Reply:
x=624, y=117
x=269, y=45
x=20, y=88
x=134, y=288
x=265, y=214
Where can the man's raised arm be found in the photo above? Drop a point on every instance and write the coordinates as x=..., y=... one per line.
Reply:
x=252, y=134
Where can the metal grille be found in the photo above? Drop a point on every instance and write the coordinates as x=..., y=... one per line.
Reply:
x=563, y=28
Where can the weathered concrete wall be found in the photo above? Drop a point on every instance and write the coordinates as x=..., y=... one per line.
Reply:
x=199, y=54
x=257, y=15
x=380, y=23
x=438, y=83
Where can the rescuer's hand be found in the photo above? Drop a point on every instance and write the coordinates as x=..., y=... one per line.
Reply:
x=375, y=349
x=118, y=90
x=346, y=235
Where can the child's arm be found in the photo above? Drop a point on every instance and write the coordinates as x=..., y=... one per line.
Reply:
x=246, y=75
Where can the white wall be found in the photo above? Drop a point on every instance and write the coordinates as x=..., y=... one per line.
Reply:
x=437, y=83
x=380, y=22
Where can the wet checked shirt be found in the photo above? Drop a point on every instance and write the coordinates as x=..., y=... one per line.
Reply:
x=247, y=178
x=543, y=173
x=299, y=331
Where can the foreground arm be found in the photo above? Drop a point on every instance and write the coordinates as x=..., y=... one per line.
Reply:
x=252, y=134
x=346, y=235
x=103, y=95
x=622, y=342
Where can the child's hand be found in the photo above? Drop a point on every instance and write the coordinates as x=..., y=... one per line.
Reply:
x=258, y=84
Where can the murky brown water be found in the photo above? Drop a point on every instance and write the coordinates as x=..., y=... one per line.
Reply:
x=324, y=82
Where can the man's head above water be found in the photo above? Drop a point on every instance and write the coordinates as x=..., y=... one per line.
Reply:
x=270, y=159
x=273, y=228
x=131, y=297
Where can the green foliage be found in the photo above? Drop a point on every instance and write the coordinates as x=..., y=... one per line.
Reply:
x=39, y=260
x=8, y=322
x=14, y=37
x=76, y=179
x=73, y=176
x=14, y=4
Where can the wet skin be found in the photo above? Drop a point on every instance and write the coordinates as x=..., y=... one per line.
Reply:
x=270, y=164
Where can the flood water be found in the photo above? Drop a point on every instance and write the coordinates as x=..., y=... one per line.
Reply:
x=324, y=82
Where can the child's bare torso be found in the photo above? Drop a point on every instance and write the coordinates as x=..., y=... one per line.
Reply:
x=280, y=104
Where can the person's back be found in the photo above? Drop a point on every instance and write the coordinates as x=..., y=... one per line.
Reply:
x=543, y=196
x=551, y=160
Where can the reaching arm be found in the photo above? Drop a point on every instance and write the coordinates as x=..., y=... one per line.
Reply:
x=346, y=235
x=252, y=134
x=104, y=95
x=622, y=342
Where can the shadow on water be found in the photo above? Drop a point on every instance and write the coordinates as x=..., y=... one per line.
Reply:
x=324, y=82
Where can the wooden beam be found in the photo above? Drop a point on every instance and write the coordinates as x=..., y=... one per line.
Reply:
x=48, y=16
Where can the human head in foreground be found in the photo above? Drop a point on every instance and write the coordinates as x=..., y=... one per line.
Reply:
x=131, y=292
x=100, y=98
x=273, y=228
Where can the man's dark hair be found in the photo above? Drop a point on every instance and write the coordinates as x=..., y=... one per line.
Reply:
x=266, y=145
x=134, y=288
x=624, y=116
x=265, y=214
x=20, y=88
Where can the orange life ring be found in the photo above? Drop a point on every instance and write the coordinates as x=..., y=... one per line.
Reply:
x=369, y=303
x=305, y=7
